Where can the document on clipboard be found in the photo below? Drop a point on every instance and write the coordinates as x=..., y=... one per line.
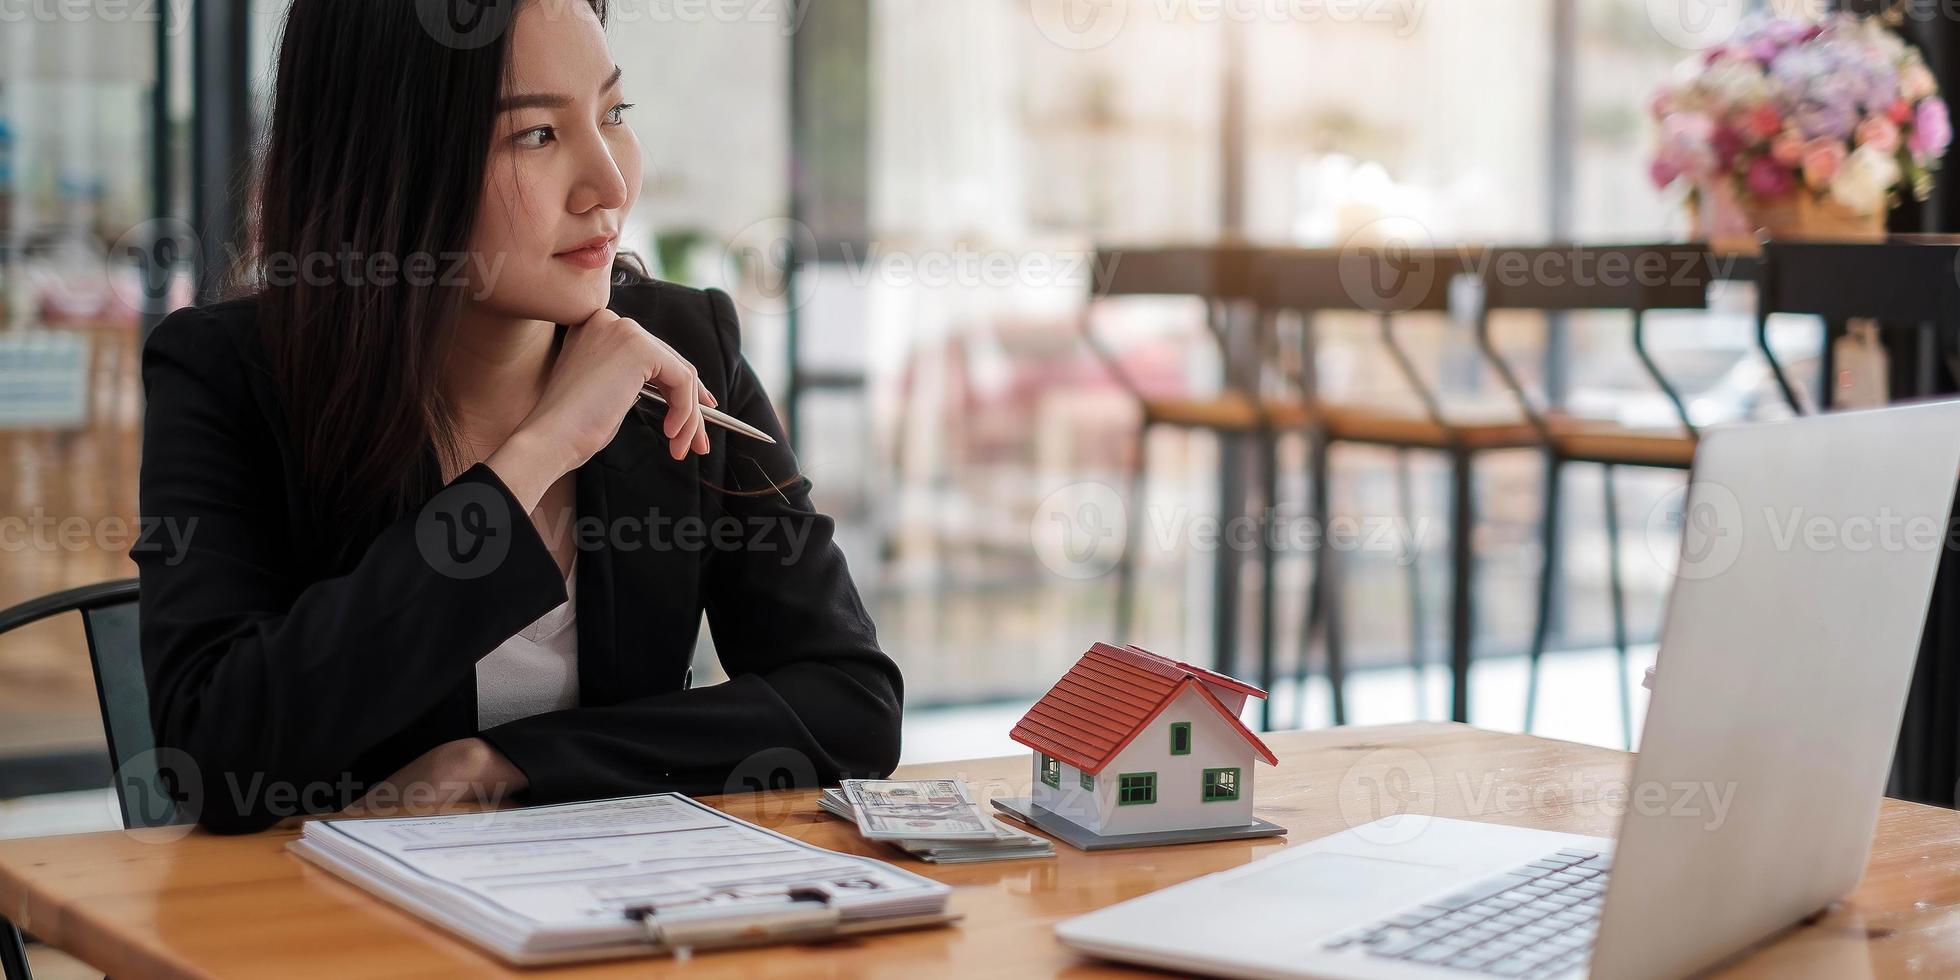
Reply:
x=613, y=878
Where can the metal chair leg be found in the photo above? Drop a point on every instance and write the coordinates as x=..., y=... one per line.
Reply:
x=1412, y=573
x=1548, y=540
x=1126, y=564
x=13, y=953
x=1323, y=607
x=1335, y=637
x=1314, y=609
x=1463, y=567
x=1268, y=559
x=1619, y=605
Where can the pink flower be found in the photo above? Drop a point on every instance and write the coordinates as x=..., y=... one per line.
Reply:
x=1768, y=180
x=1879, y=133
x=1663, y=172
x=1761, y=122
x=1822, y=157
x=1931, y=130
x=1900, y=112
x=1787, y=148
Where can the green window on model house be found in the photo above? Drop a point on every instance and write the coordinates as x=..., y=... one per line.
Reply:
x=1221, y=784
x=1088, y=779
x=1136, y=787
x=1051, y=770
x=1181, y=738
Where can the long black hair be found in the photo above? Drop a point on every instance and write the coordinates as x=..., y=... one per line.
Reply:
x=382, y=118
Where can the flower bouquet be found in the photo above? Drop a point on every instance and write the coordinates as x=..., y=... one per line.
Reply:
x=1801, y=129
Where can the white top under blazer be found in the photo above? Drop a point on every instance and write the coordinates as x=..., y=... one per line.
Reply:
x=536, y=670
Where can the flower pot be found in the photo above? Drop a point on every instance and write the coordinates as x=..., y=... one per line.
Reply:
x=1802, y=216
x=1729, y=223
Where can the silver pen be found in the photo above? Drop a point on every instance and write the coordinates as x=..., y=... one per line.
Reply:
x=717, y=416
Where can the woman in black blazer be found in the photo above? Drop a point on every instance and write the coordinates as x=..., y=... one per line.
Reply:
x=387, y=457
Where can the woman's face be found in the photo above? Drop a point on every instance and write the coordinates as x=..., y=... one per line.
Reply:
x=564, y=171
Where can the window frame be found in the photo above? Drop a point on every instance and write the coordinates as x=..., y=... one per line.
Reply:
x=1087, y=779
x=1051, y=771
x=1123, y=788
x=1185, y=727
x=1207, y=781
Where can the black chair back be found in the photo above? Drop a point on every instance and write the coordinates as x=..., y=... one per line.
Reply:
x=1898, y=281
x=1211, y=272
x=1600, y=277
x=145, y=791
x=1371, y=279
x=1911, y=281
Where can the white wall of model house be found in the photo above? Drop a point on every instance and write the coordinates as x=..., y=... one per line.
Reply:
x=1180, y=801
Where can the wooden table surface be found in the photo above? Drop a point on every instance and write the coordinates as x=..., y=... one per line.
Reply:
x=132, y=904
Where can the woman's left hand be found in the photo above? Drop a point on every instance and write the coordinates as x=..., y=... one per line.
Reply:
x=467, y=770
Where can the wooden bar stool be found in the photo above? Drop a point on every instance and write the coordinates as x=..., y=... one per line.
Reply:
x=1561, y=279
x=1387, y=283
x=1220, y=276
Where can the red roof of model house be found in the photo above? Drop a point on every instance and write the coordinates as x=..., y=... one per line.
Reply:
x=1111, y=695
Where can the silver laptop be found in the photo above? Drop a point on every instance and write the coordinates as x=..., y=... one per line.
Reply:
x=1809, y=549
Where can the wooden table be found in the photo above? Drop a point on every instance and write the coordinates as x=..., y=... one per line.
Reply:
x=243, y=907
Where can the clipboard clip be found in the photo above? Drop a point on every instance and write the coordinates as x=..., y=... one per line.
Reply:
x=805, y=915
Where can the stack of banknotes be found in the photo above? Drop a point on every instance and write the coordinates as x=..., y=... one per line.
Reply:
x=931, y=819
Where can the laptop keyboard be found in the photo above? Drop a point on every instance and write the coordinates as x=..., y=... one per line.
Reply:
x=1536, y=921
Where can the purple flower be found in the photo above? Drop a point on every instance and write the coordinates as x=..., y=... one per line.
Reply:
x=1932, y=130
x=1826, y=119
x=1767, y=180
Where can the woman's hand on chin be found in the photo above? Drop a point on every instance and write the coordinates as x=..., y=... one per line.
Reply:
x=465, y=771
x=594, y=383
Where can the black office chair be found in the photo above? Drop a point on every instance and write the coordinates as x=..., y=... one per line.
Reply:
x=145, y=795
x=1676, y=277
x=1386, y=283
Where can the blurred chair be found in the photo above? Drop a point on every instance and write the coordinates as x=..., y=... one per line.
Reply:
x=146, y=795
x=1221, y=277
x=1637, y=279
x=1387, y=283
x=46, y=418
x=1907, y=279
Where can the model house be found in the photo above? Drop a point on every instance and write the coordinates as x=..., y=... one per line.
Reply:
x=1129, y=742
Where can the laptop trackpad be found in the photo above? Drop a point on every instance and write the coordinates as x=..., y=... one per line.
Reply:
x=1349, y=877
